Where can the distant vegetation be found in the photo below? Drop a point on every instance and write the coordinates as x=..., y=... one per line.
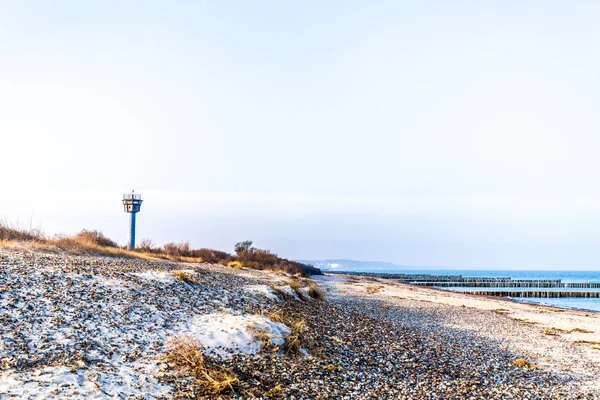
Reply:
x=96, y=243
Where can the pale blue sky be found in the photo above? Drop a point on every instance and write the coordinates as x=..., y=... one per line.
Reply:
x=433, y=133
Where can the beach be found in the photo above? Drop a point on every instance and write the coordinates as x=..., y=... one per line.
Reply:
x=100, y=327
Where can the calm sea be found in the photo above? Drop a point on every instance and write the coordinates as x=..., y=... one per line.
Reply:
x=565, y=276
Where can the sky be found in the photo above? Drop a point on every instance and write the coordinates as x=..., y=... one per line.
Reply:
x=439, y=134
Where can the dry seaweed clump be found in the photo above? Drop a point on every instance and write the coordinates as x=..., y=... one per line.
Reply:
x=373, y=289
x=523, y=363
x=205, y=378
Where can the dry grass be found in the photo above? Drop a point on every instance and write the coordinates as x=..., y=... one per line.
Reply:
x=299, y=337
x=184, y=353
x=296, y=286
x=523, y=364
x=277, y=315
x=186, y=277
x=501, y=311
x=10, y=232
x=235, y=264
x=315, y=292
x=279, y=292
x=264, y=338
x=86, y=242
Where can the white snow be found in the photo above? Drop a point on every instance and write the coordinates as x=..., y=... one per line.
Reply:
x=50, y=381
x=289, y=291
x=223, y=335
x=263, y=290
x=159, y=276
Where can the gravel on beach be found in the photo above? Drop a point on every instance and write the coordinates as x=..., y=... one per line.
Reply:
x=91, y=327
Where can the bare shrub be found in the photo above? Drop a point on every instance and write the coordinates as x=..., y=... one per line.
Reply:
x=265, y=260
x=177, y=249
x=147, y=246
x=212, y=256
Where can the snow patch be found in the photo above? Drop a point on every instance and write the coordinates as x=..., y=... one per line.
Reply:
x=287, y=289
x=223, y=335
x=158, y=276
x=263, y=290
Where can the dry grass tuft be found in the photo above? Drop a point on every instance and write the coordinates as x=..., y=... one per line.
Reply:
x=296, y=285
x=185, y=354
x=264, y=338
x=523, y=363
x=235, y=264
x=279, y=292
x=277, y=315
x=186, y=277
x=501, y=311
x=315, y=292
x=298, y=338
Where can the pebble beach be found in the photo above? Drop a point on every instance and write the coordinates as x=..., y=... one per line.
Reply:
x=98, y=327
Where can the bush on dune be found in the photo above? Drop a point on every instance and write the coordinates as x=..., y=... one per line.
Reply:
x=260, y=259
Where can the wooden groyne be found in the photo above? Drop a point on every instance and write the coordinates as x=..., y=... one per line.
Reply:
x=500, y=284
x=536, y=293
